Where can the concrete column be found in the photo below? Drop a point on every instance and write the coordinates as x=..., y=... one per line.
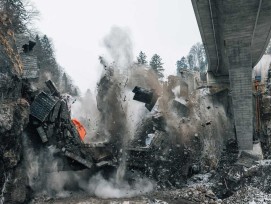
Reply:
x=240, y=74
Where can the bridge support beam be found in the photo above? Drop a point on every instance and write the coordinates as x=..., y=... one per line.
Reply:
x=240, y=75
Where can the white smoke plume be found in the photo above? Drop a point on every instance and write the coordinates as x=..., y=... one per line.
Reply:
x=85, y=110
x=103, y=188
x=36, y=165
x=120, y=47
x=47, y=181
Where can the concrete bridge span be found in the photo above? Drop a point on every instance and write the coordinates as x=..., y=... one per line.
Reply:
x=235, y=34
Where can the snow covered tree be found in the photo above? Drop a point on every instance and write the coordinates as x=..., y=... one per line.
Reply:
x=65, y=83
x=157, y=65
x=46, y=58
x=19, y=14
x=181, y=64
x=197, y=58
x=141, y=59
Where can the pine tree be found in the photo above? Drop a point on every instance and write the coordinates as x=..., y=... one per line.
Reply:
x=75, y=93
x=65, y=82
x=38, y=51
x=17, y=14
x=190, y=61
x=181, y=64
x=46, y=59
x=157, y=65
x=197, y=58
x=48, y=51
x=141, y=59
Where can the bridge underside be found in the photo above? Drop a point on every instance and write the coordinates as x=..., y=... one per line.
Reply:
x=235, y=34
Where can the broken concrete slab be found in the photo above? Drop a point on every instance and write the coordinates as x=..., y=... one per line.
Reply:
x=248, y=158
x=55, y=113
x=150, y=105
x=78, y=159
x=64, y=112
x=52, y=88
x=142, y=95
x=180, y=108
x=98, y=153
x=256, y=151
x=149, y=97
x=42, y=134
x=42, y=106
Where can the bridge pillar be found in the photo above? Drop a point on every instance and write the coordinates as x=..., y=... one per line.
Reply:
x=240, y=75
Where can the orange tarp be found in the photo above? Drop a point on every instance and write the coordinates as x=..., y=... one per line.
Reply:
x=80, y=128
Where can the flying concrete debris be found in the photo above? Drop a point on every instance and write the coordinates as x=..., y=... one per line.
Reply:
x=149, y=97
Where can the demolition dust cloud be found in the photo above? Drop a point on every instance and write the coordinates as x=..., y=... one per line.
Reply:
x=115, y=117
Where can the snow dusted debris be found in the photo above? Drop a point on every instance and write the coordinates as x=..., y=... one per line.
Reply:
x=200, y=179
x=249, y=195
x=156, y=201
x=265, y=162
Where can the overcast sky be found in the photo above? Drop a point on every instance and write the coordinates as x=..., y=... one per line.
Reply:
x=77, y=28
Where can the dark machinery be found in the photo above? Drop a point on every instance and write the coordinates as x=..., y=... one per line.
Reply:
x=50, y=117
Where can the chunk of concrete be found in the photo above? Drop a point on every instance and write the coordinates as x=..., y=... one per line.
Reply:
x=78, y=159
x=64, y=112
x=42, y=134
x=55, y=113
x=52, y=88
x=149, y=97
x=42, y=106
x=249, y=158
x=180, y=108
x=142, y=95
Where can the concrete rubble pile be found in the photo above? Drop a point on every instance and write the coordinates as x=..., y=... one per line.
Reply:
x=171, y=163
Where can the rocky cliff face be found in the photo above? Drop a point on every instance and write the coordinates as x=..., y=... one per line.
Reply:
x=14, y=112
x=13, y=119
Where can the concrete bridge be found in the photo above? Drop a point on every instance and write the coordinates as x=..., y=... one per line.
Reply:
x=235, y=34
